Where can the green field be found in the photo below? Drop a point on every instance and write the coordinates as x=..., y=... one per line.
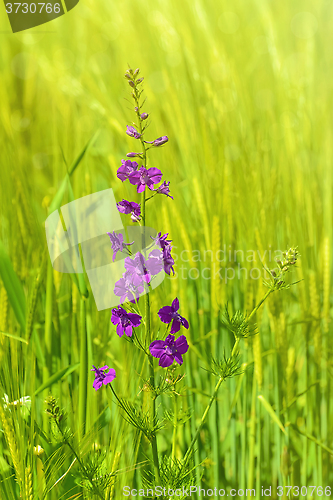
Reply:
x=245, y=99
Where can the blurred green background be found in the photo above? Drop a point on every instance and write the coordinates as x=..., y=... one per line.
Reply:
x=243, y=91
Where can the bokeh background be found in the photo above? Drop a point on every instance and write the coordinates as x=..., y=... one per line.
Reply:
x=243, y=91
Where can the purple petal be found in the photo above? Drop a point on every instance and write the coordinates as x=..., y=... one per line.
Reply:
x=154, y=266
x=175, y=304
x=114, y=318
x=166, y=360
x=157, y=348
x=178, y=358
x=175, y=327
x=134, y=177
x=165, y=314
x=181, y=344
x=97, y=384
x=185, y=323
x=120, y=330
x=129, y=331
x=109, y=376
x=135, y=319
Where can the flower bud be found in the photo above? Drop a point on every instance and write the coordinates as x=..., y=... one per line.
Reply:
x=133, y=155
x=128, y=76
x=38, y=450
x=136, y=109
x=131, y=83
x=144, y=116
x=136, y=72
x=139, y=80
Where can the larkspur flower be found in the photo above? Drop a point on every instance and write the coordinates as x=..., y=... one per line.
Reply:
x=169, y=350
x=143, y=269
x=159, y=141
x=144, y=116
x=145, y=177
x=132, y=132
x=127, y=167
x=130, y=207
x=164, y=189
x=170, y=313
x=168, y=260
x=117, y=243
x=165, y=255
x=125, y=321
x=101, y=377
x=162, y=240
x=129, y=287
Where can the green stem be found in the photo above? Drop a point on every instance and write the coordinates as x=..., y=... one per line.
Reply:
x=203, y=418
x=146, y=297
x=81, y=464
x=83, y=380
x=234, y=350
x=174, y=438
x=259, y=304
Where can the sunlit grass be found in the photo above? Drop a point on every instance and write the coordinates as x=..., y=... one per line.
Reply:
x=245, y=101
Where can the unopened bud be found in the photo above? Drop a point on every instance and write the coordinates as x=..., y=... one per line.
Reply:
x=136, y=72
x=131, y=83
x=284, y=269
x=128, y=76
x=139, y=80
x=133, y=155
x=144, y=116
x=136, y=109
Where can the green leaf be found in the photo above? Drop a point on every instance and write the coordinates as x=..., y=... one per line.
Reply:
x=271, y=412
x=15, y=337
x=13, y=286
x=57, y=376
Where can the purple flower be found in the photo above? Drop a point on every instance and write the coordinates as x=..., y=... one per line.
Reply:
x=168, y=261
x=162, y=240
x=169, y=350
x=159, y=141
x=170, y=313
x=165, y=255
x=128, y=287
x=164, y=189
x=144, y=116
x=127, y=168
x=125, y=321
x=133, y=155
x=101, y=377
x=130, y=207
x=117, y=243
x=132, y=132
x=143, y=269
x=145, y=177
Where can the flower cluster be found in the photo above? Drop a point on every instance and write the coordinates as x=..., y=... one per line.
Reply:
x=141, y=268
x=277, y=275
